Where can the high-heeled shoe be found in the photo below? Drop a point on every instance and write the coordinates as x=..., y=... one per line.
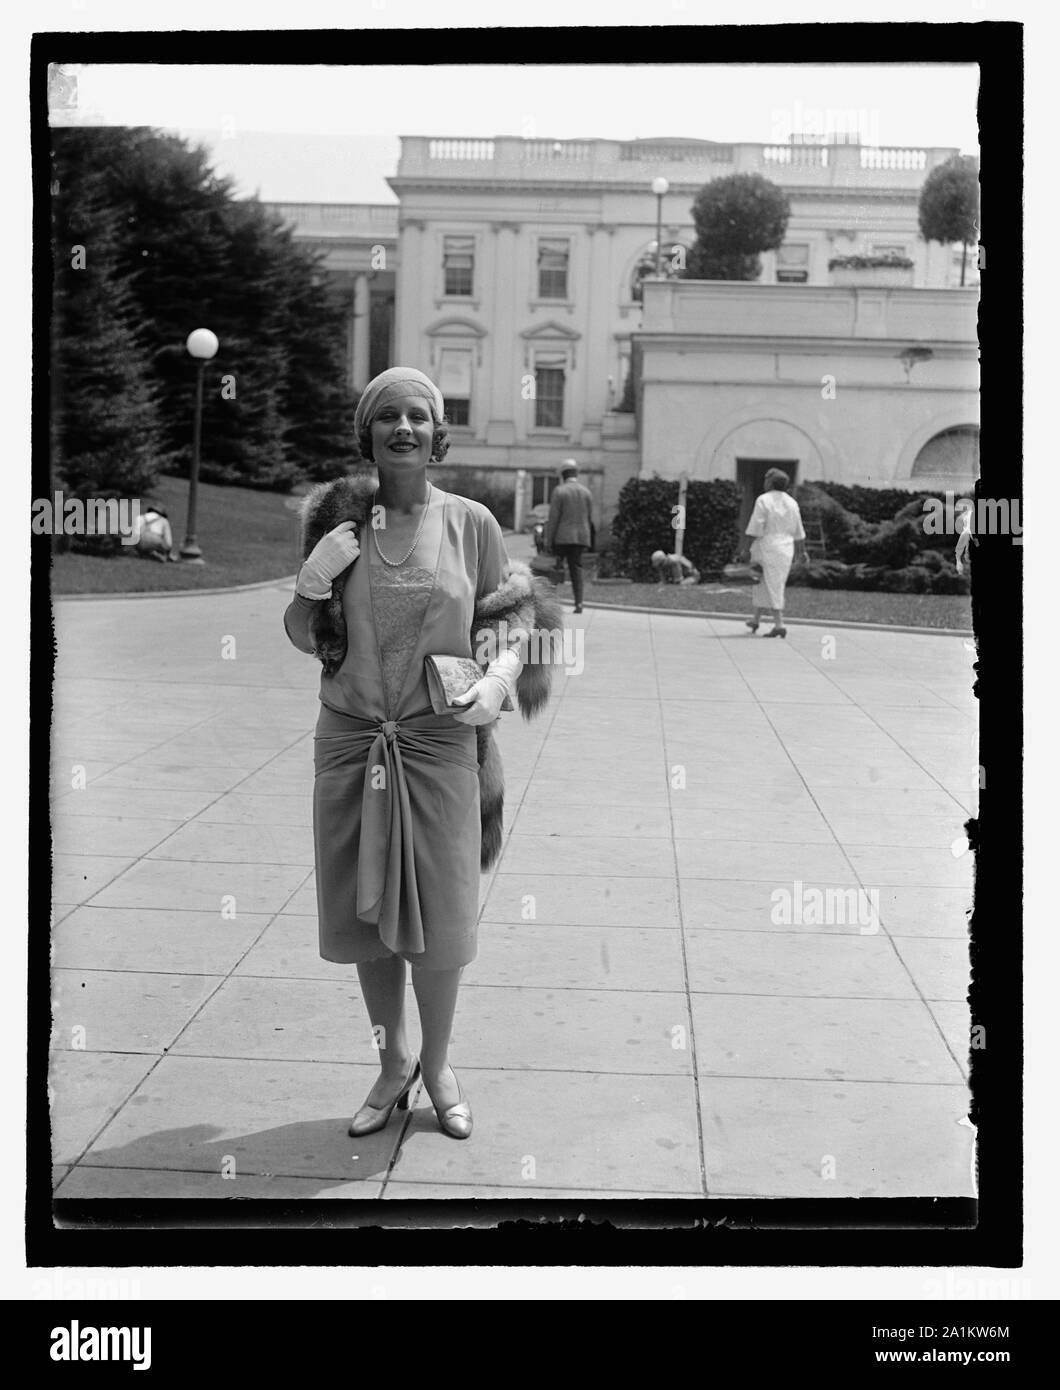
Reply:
x=778, y=632
x=370, y=1117
x=752, y=625
x=456, y=1119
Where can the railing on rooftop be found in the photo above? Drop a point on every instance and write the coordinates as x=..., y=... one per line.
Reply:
x=797, y=163
x=796, y=156
x=460, y=149
x=558, y=149
x=691, y=153
x=880, y=158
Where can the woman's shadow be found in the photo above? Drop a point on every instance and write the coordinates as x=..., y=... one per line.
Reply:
x=301, y=1159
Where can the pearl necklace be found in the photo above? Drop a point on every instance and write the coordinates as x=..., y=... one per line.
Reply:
x=395, y=564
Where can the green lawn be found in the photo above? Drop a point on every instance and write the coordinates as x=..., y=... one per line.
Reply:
x=905, y=610
x=245, y=536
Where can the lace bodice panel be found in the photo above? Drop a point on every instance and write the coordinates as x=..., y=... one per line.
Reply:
x=399, y=602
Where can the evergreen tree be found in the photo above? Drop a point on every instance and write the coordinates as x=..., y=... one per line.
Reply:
x=275, y=403
x=246, y=412
x=105, y=410
x=318, y=403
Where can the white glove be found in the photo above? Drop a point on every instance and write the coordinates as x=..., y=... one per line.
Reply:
x=325, y=562
x=482, y=703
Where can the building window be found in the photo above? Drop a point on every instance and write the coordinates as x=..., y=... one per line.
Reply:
x=793, y=264
x=952, y=453
x=458, y=260
x=625, y=363
x=672, y=262
x=544, y=485
x=553, y=260
x=454, y=382
x=889, y=250
x=550, y=383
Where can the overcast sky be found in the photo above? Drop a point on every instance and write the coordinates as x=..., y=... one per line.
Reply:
x=332, y=133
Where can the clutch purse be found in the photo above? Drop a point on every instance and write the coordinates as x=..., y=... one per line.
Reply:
x=742, y=574
x=450, y=676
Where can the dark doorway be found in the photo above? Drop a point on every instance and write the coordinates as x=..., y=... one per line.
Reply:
x=750, y=475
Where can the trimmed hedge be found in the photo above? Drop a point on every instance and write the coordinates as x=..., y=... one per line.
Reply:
x=875, y=539
x=863, y=527
x=892, y=544
x=871, y=503
x=644, y=522
x=479, y=485
x=931, y=573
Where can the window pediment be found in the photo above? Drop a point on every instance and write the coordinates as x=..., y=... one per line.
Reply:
x=455, y=327
x=551, y=329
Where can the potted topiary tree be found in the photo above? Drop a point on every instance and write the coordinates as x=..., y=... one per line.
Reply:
x=736, y=218
x=949, y=205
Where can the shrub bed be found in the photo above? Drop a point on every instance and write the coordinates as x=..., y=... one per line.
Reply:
x=872, y=504
x=938, y=576
x=644, y=522
x=876, y=539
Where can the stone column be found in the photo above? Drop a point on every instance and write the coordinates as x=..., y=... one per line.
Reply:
x=505, y=367
x=351, y=365
x=596, y=361
x=361, y=336
x=408, y=310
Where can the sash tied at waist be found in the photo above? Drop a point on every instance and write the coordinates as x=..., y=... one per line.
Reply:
x=390, y=752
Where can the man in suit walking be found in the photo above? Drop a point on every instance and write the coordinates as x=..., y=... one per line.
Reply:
x=569, y=528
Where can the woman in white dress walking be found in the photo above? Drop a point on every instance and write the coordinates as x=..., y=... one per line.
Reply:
x=776, y=525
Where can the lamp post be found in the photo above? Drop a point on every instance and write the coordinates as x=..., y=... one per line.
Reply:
x=202, y=345
x=660, y=187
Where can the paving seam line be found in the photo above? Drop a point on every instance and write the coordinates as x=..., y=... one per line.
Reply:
x=802, y=622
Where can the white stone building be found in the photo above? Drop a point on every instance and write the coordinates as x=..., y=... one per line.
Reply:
x=515, y=270
x=872, y=385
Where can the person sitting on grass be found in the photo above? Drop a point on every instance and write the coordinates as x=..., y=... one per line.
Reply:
x=154, y=535
x=674, y=569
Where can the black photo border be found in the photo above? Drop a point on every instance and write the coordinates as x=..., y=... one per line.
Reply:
x=680, y=1232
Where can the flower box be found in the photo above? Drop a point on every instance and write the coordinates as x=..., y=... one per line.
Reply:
x=893, y=275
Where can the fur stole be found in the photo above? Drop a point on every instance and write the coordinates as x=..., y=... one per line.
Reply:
x=520, y=601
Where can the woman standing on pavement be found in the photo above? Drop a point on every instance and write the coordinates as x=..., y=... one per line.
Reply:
x=776, y=525
x=404, y=795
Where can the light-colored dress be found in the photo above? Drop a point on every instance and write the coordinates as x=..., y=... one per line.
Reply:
x=396, y=795
x=776, y=524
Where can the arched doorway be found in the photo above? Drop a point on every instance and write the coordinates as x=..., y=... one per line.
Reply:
x=748, y=448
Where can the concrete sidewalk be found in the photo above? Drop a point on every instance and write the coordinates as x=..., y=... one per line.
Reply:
x=655, y=1009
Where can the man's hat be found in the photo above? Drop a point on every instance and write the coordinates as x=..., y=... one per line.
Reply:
x=568, y=466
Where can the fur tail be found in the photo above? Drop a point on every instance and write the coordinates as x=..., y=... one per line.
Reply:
x=491, y=795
